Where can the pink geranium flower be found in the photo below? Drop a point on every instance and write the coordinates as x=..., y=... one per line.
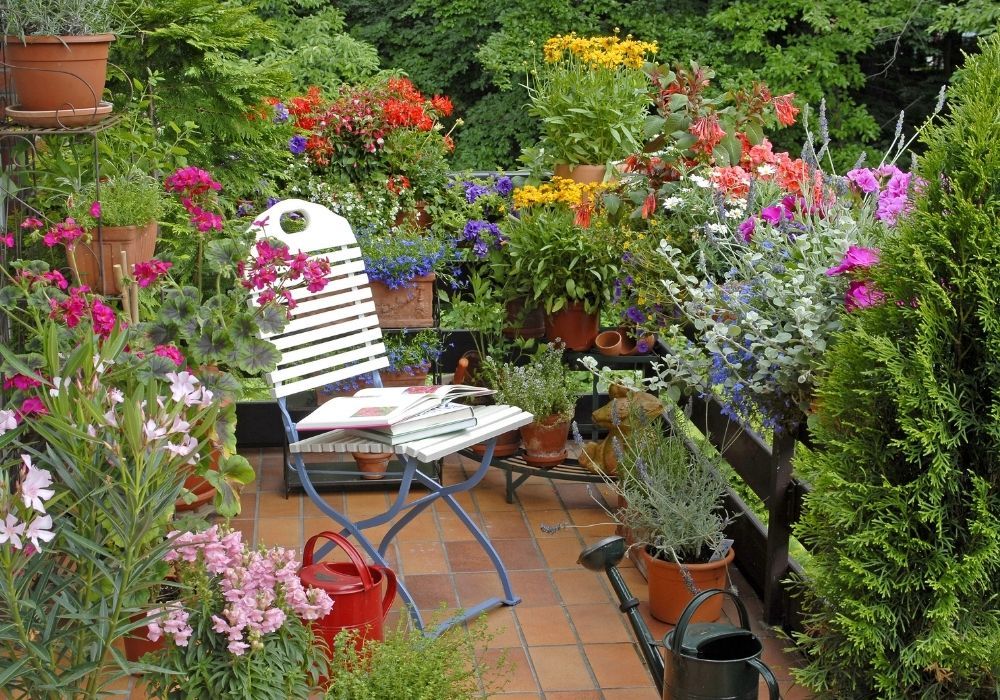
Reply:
x=95, y=210
x=855, y=258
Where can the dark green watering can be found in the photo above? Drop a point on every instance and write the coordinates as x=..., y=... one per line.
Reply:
x=705, y=661
x=714, y=661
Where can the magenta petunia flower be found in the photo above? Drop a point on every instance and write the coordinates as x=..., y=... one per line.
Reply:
x=862, y=295
x=856, y=257
x=747, y=228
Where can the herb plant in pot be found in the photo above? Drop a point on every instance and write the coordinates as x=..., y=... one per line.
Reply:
x=592, y=98
x=58, y=53
x=672, y=504
x=568, y=266
x=541, y=388
x=121, y=217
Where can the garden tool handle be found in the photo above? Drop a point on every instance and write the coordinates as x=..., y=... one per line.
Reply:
x=768, y=675
x=390, y=588
x=693, y=606
x=352, y=553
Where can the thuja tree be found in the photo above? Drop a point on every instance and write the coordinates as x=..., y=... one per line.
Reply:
x=904, y=518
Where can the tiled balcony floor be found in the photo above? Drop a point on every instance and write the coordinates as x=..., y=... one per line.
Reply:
x=567, y=638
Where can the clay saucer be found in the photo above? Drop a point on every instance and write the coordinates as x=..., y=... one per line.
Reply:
x=59, y=118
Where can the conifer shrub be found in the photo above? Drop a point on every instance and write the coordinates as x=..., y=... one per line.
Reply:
x=904, y=518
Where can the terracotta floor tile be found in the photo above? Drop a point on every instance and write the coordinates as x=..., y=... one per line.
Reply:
x=248, y=503
x=656, y=628
x=517, y=676
x=244, y=526
x=649, y=693
x=502, y=625
x=422, y=558
x=617, y=665
x=560, y=552
x=537, y=497
x=280, y=532
x=578, y=495
x=593, y=522
x=580, y=586
x=545, y=625
x=274, y=505
x=574, y=695
x=516, y=696
x=598, y=623
x=423, y=528
x=493, y=497
x=475, y=587
x=534, y=587
x=429, y=591
x=550, y=519
x=453, y=529
x=505, y=525
x=334, y=500
x=561, y=668
x=361, y=504
x=515, y=554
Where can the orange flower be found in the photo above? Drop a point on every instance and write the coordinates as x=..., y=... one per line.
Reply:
x=760, y=154
x=708, y=132
x=785, y=109
x=443, y=105
x=734, y=181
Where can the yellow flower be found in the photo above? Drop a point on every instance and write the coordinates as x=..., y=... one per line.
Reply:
x=598, y=52
x=560, y=191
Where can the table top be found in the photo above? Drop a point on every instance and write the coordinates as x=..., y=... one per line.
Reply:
x=491, y=422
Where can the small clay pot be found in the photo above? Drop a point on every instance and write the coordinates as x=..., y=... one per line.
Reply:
x=369, y=462
x=610, y=343
x=545, y=441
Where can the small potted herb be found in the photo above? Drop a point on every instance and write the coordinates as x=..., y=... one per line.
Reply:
x=120, y=213
x=541, y=388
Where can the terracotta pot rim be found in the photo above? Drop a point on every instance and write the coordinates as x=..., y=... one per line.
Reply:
x=422, y=278
x=726, y=560
x=13, y=39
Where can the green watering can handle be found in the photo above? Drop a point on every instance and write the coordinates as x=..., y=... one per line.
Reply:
x=772, y=682
x=693, y=606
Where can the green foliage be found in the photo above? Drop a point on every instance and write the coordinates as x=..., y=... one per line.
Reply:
x=903, y=519
x=414, y=666
x=58, y=17
x=131, y=200
x=312, y=45
x=542, y=387
x=193, y=55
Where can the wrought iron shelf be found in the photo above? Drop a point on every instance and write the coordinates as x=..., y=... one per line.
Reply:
x=8, y=128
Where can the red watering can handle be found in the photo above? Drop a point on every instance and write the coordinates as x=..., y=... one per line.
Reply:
x=390, y=589
x=352, y=553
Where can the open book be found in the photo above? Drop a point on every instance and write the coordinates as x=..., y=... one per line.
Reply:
x=446, y=418
x=381, y=408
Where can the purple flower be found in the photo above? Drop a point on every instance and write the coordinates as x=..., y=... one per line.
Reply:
x=635, y=315
x=855, y=257
x=861, y=295
x=271, y=201
x=864, y=178
x=280, y=113
x=747, y=228
x=503, y=186
x=474, y=191
x=244, y=209
x=297, y=144
x=775, y=213
x=890, y=207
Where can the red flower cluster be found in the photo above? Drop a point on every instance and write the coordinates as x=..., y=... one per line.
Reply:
x=145, y=273
x=64, y=233
x=78, y=305
x=196, y=188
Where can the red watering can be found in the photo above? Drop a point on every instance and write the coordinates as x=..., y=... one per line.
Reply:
x=356, y=589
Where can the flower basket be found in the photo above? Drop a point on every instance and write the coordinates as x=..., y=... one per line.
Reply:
x=410, y=306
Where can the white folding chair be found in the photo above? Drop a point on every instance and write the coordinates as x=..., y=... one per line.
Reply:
x=334, y=335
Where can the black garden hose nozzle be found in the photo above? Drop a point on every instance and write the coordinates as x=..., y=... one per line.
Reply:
x=605, y=556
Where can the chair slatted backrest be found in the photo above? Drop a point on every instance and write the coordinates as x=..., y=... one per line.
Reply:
x=332, y=334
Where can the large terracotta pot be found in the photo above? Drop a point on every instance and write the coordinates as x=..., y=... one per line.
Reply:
x=574, y=326
x=585, y=174
x=59, y=72
x=507, y=444
x=138, y=243
x=410, y=306
x=669, y=595
x=545, y=441
x=523, y=323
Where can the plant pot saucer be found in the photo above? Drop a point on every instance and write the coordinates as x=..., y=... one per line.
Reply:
x=59, y=118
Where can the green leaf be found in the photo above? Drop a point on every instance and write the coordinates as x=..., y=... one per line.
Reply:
x=256, y=355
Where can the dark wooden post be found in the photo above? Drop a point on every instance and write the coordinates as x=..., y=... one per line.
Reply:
x=779, y=529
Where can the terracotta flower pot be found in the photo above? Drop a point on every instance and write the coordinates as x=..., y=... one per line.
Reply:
x=610, y=343
x=96, y=260
x=137, y=643
x=585, y=174
x=59, y=73
x=507, y=444
x=410, y=306
x=573, y=326
x=523, y=324
x=545, y=441
x=669, y=595
x=369, y=462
